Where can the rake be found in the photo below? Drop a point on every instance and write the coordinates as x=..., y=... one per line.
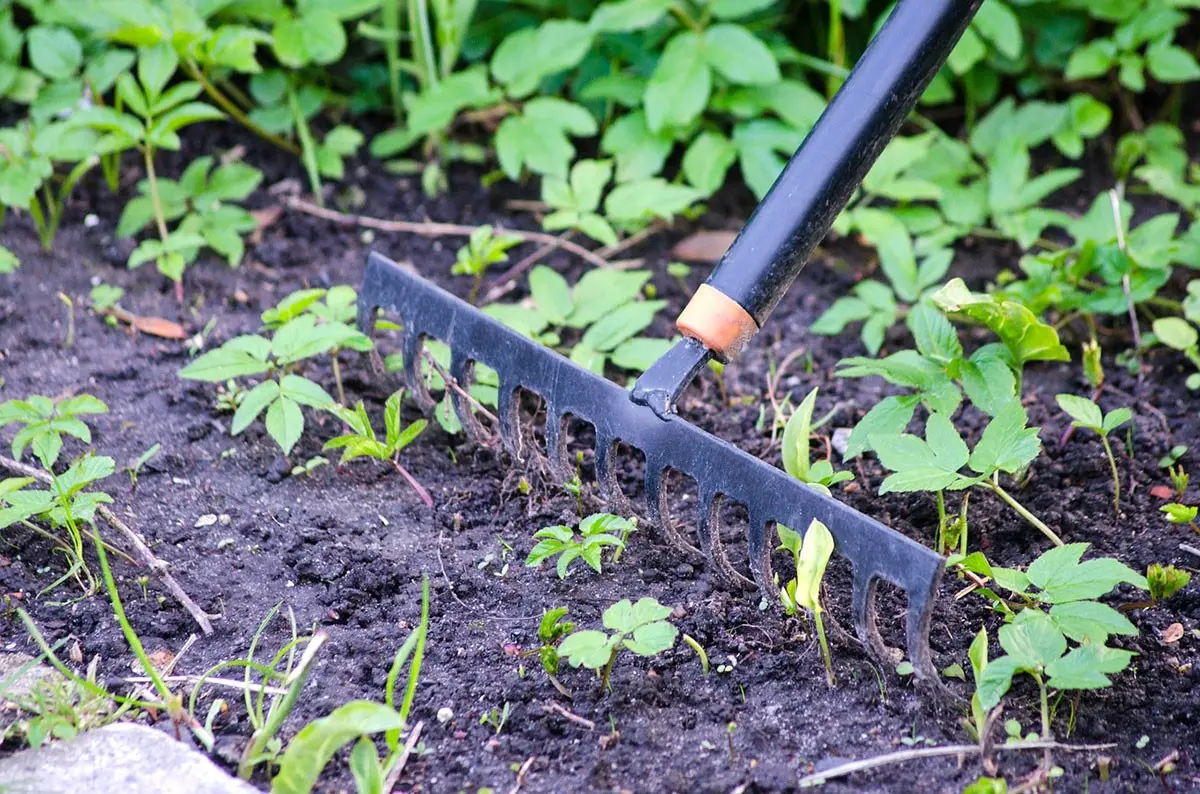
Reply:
x=722, y=317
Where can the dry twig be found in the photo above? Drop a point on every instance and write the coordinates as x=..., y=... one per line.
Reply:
x=433, y=229
x=583, y=722
x=139, y=545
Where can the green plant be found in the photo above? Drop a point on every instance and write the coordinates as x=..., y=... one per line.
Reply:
x=496, y=717
x=361, y=441
x=551, y=631
x=135, y=468
x=484, y=249
x=8, y=262
x=283, y=391
x=28, y=156
x=1177, y=334
x=1039, y=622
x=201, y=202
x=934, y=462
x=1181, y=514
x=316, y=743
x=595, y=533
x=642, y=628
x=155, y=115
x=1141, y=41
x=796, y=435
x=977, y=718
x=1165, y=581
x=810, y=554
x=1087, y=414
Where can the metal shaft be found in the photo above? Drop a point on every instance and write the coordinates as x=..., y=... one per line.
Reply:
x=817, y=183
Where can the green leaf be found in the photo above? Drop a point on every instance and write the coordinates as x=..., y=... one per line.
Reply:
x=1032, y=639
x=621, y=324
x=600, y=291
x=988, y=382
x=589, y=648
x=628, y=15
x=156, y=65
x=229, y=361
x=652, y=639
x=529, y=55
x=1006, y=444
x=310, y=750
x=365, y=767
x=739, y=55
x=796, y=434
x=304, y=391
x=253, y=404
x=935, y=337
x=550, y=294
x=889, y=236
x=707, y=161
x=1085, y=667
x=54, y=51
x=1170, y=63
x=639, y=353
x=889, y=417
x=1085, y=412
x=314, y=37
x=1176, y=333
x=815, y=552
x=1093, y=59
x=285, y=423
x=639, y=202
x=997, y=23
x=1089, y=621
x=1026, y=337
x=639, y=152
x=736, y=9
x=679, y=88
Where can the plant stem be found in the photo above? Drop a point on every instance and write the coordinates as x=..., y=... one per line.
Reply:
x=1045, y=709
x=420, y=489
x=1112, y=463
x=824, y=646
x=941, y=505
x=695, y=646
x=337, y=375
x=608, y=669
x=259, y=740
x=233, y=110
x=994, y=486
x=308, y=148
x=683, y=16
x=159, y=219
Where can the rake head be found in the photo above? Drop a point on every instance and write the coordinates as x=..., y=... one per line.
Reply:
x=720, y=470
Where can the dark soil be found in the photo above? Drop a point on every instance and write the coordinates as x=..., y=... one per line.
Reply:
x=345, y=549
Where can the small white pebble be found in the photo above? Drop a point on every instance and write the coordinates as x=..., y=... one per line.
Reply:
x=90, y=221
x=224, y=543
x=206, y=520
x=445, y=714
x=224, y=519
x=840, y=440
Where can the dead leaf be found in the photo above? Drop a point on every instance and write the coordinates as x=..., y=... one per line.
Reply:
x=160, y=658
x=1162, y=491
x=263, y=219
x=157, y=326
x=708, y=246
x=1173, y=633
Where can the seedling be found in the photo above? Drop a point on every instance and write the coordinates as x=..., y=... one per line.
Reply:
x=309, y=466
x=136, y=467
x=810, y=554
x=484, y=249
x=1184, y=515
x=8, y=262
x=1165, y=581
x=361, y=442
x=1179, y=479
x=1087, y=414
x=933, y=463
x=551, y=631
x=976, y=722
x=820, y=475
x=495, y=717
x=1062, y=607
x=594, y=534
x=283, y=391
x=641, y=628
x=28, y=155
x=155, y=114
x=44, y=421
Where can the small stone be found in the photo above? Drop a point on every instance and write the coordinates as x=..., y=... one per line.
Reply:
x=840, y=440
x=1173, y=633
x=224, y=519
x=445, y=714
x=206, y=520
x=90, y=221
x=34, y=677
x=114, y=760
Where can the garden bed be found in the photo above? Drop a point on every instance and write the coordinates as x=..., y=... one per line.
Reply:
x=345, y=549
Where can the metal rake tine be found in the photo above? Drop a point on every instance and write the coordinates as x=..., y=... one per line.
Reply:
x=660, y=516
x=461, y=368
x=709, y=529
x=760, y=556
x=507, y=413
x=605, y=477
x=412, y=347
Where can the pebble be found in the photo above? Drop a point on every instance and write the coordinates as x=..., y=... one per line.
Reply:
x=206, y=520
x=445, y=714
x=840, y=440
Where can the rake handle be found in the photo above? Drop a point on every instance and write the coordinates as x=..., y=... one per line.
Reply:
x=823, y=174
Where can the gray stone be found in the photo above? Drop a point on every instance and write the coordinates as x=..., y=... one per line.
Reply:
x=19, y=688
x=116, y=759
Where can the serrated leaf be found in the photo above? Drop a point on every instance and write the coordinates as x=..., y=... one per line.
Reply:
x=285, y=423
x=1090, y=621
x=889, y=417
x=1085, y=412
x=226, y=362
x=253, y=404
x=679, y=88
x=1006, y=444
x=1085, y=667
x=1032, y=640
x=739, y=55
